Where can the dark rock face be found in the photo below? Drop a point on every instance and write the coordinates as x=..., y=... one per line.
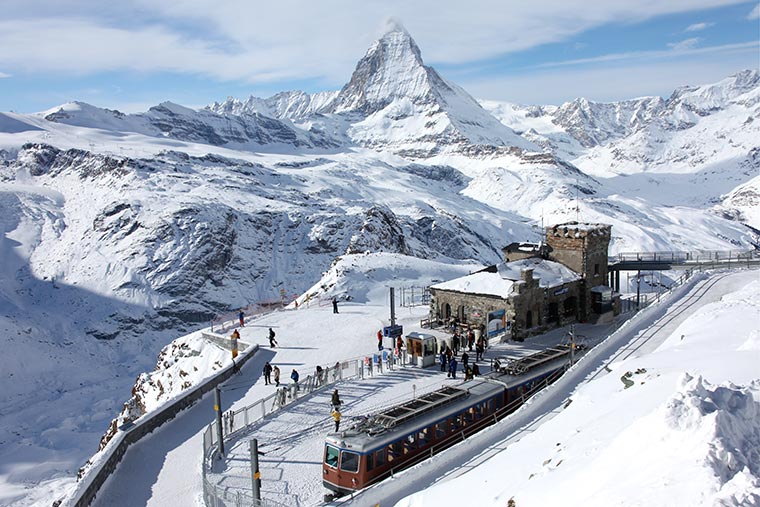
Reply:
x=380, y=232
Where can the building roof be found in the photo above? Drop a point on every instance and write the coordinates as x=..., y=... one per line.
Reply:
x=500, y=282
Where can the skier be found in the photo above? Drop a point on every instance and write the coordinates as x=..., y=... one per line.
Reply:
x=272, y=341
x=241, y=317
x=267, y=374
x=336, y=402
x=379, y=339
x=336, y=416
x=335, y=304
x=276, y=371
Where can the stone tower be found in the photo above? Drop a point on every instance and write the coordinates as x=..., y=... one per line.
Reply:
x=583, y=248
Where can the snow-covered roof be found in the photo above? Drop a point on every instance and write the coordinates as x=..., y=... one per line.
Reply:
x=501, y=282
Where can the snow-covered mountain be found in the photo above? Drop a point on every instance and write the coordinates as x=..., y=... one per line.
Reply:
x=121, y=231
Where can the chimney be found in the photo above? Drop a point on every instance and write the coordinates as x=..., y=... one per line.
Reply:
x=526, y=274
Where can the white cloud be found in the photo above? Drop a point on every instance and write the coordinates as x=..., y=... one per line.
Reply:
x=675, y=50
x=4, y=75
x=610, y=83
x=684, y=45
x=289, y=39
x=696, y=27
x=755, y=14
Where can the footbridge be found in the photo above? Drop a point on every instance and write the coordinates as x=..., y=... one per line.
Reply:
x=661, y=261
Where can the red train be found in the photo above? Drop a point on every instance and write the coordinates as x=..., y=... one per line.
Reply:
x=403, y=435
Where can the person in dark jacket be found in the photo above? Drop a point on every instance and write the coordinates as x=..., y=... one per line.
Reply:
x=443, y=359
x=455, y=343
x=294, y=378
x=465, y=358
x=241, y=317
x=336, y=401
x=475, y=369
x=335, y=304
x=272, y=341
x=453, y=368
x=267, y=374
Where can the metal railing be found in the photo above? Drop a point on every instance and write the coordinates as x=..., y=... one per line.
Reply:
x=683, y=257
x=235, y=423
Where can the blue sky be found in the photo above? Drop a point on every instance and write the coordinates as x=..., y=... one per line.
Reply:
x=137, y=53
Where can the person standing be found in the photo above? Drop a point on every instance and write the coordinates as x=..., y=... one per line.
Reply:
x=465, y=358
x=471, y=339
x=276, y=372
x=335, y=304
x=272, y=341
x=267, y=374
x=379, y=339
x=294, y=378
x=442, y=358
x=453, y=367
x=336, y=417
x=336, y=401
x=241, y=317
x=455, y=343
x=479, y=349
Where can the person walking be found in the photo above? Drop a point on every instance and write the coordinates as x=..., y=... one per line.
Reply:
x=241, y=318
x=479, y=349
x=276, y=372
x=235, y=335
x=335, y=304
x=443, y=359
x=465, y=358
x=294, y=378
x=475, y=369
x=336, y=401
x=455, y=343
x=272, y=341
x=470, y=339
x=267, y=374
x=318, y=374
x=379, y=339
x=336, y=417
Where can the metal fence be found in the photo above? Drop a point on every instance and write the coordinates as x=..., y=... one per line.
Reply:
x=682, y=257
x=235, y=423
x=634, y=303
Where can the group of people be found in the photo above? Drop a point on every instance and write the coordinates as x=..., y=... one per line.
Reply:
x=447, y=356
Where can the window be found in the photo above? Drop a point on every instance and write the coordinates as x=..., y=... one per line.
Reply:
x=596, y=269
x=370, y=461
x=394, y=451
x=410, y=443
x=380, y=458
x=423, y=437
x=349, y=461
x=331, y=456
x=456, y=423
x=440, y=430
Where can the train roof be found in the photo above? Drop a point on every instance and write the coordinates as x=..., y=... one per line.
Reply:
x=386, y=426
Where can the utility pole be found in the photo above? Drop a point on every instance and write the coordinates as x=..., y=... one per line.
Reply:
x=638, y=289
x=255, y=474
x=218, y=408
x=572, y=344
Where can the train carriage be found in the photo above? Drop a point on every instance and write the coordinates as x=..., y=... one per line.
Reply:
x=382, y=444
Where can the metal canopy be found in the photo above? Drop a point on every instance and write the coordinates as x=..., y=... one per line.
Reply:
x=402, y=413
x=524, y=364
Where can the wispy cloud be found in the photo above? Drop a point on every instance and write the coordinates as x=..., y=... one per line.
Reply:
x=697, y=27
x=755, y=14
x=684, y=45
x=293, y=39
x=4, y=75
x=657, y=54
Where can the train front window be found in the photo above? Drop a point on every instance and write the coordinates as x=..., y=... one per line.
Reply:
x=349, y=461
x=331, y=456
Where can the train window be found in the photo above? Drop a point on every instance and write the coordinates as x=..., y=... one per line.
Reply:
x=440, y=430
x=469, y=416
x=331, y=456
x=370, y=461
x=349, y=461
x=380, y=458
x=410, y=443
x=456, y=423
x=423, y=437
x=394, y=451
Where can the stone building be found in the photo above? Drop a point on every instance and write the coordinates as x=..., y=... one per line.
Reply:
x=538, y=286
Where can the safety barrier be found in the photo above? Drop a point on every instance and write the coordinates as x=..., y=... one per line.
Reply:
x=109, y=458
x=238, y=421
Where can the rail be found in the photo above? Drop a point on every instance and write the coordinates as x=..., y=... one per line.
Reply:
x=235, y=423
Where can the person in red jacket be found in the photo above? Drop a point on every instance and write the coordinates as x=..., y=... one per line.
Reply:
x=380, y=339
